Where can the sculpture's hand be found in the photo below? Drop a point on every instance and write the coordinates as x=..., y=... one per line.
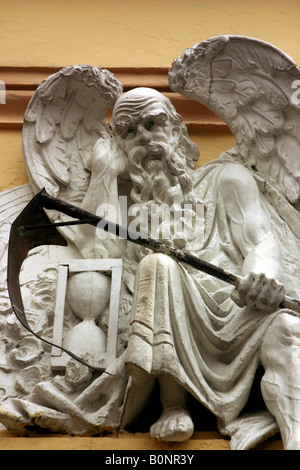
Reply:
x=260, y=292
x=109, y=157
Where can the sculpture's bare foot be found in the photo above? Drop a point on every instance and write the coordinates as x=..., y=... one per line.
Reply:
x=175, y=425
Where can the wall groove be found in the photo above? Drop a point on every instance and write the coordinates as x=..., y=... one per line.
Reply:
x=21, y=83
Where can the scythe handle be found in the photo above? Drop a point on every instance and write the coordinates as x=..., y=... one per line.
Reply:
x=50, y=202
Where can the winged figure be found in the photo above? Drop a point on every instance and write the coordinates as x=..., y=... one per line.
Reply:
x=207, y=344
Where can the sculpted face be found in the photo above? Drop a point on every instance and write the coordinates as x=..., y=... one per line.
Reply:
x=150, y=132
x=140, y=118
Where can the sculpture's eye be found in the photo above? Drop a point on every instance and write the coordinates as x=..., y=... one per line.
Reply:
x=130, y=130
x=149, y=125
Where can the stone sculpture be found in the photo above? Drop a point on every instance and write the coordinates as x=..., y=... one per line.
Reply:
x=192, y=333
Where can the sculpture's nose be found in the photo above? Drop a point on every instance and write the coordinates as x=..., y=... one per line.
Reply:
x=143, y=135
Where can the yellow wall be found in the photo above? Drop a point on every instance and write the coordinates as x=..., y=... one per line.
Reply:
x=130, y=33
x=12, y=172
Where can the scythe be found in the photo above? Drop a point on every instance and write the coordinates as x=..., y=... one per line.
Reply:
x=24, y=236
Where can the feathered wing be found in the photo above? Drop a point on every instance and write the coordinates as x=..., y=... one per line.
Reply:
x=64, y=119
x=252, y=87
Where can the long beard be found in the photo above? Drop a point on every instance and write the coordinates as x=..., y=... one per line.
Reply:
x=160, y=179
x=158, y=175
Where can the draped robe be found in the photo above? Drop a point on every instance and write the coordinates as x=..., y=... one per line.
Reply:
x=184, y=322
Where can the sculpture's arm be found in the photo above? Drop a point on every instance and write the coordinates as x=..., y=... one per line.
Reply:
x=252, y=233
x=107, y=164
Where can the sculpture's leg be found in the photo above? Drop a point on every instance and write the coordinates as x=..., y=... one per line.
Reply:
x=175, y=423
x=280, y=356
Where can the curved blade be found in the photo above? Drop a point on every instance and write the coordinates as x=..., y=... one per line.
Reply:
x=20, y=243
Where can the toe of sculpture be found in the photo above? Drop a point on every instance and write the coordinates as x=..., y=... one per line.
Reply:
x=174, y=425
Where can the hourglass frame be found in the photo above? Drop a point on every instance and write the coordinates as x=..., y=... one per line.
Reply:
x=59, y=358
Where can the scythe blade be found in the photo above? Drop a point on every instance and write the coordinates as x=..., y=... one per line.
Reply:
x=24, y=237
x=21, y=242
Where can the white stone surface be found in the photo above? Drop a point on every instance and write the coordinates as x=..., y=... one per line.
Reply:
x=194, y=334
x=99, y=296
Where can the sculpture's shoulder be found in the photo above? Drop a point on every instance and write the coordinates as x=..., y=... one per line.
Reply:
x=235, y=178
x=225, y=175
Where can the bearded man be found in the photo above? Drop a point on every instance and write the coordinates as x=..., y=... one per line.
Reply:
x=191, y=332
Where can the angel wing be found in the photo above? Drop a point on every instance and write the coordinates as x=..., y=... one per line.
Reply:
x=252, y=86
x=63, y=120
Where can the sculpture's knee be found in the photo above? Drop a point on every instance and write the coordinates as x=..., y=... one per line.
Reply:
x=282, y=339
x=286, y=329
x=155, y=259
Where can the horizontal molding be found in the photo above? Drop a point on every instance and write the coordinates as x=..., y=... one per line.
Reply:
x=21, y=84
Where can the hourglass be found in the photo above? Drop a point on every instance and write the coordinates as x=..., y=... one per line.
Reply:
x=90, y=287
x=88, y=294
